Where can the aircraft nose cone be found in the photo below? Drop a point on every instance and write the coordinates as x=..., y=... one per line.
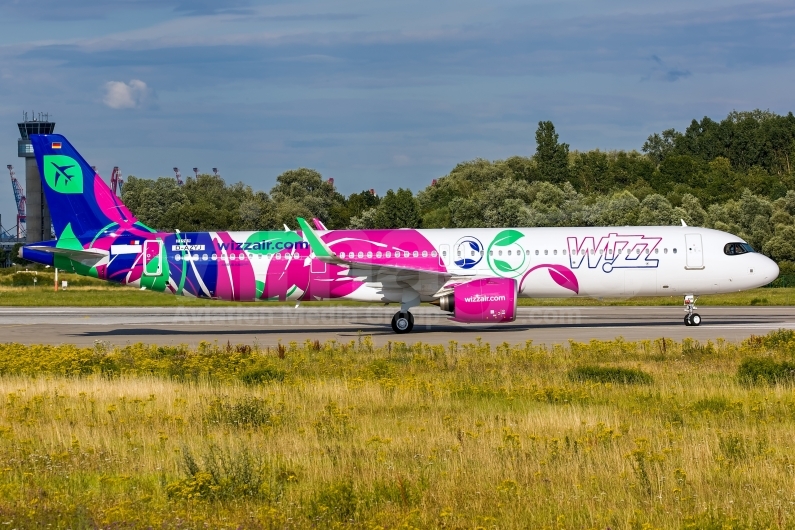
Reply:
x=769, y=269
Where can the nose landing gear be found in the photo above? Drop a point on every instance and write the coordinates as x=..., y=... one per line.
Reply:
x=692, y=318
x=402, y=322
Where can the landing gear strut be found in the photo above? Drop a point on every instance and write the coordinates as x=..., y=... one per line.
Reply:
x=692, y=318
x=402, y=322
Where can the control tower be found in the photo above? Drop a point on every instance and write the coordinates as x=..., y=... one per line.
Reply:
x=38, y=222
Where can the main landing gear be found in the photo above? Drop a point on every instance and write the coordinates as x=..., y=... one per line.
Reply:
x=691, y=318
x=402, y=322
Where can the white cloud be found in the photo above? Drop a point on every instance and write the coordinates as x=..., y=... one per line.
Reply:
x=121, y=95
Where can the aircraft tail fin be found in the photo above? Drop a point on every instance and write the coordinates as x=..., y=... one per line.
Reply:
x=80, y=202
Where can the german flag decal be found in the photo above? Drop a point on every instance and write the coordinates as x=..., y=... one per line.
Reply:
x=56, y=145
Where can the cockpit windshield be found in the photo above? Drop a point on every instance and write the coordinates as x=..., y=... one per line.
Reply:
x=735, y=249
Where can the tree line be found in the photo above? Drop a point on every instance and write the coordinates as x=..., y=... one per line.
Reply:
x=734, y=175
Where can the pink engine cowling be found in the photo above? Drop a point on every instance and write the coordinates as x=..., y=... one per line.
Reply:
x=484, y=300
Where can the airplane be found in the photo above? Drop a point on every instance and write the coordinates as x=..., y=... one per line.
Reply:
x=475, y=275
x=60, y=171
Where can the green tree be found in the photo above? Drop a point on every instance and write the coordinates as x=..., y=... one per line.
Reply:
x=398, y=210
x=354, y=206
x=781, y=247
x=15, y=255
x=551, y=157
x=591, y=172
x=677, y=169
x=657, y=146
x=303, y=192
x=151, y=200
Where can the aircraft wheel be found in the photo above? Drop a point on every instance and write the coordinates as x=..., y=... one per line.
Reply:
x=695, y=319
x=687, y=320
x=402, y=322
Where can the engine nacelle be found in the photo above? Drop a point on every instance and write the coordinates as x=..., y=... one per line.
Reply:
x=485, y=300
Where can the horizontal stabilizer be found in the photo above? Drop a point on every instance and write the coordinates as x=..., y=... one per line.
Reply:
x=77, y=255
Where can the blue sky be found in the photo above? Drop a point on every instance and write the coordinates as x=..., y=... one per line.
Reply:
x=376, y=94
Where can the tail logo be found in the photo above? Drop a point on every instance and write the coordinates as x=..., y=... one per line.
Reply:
x=63, y=174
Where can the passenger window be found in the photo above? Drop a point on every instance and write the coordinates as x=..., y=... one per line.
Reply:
x=388, y=253
x=434, y=254
x=555, y=252
x=509, y=252
x=416, y=254
x=499, y=252
x=656, y=250
x=424, y=253
x=369, y=254
x=536, y=253
x=378, y=254
x=546, y=252
x=674, y=251
x=665, y=251
x=526, y=252
x=564, y=251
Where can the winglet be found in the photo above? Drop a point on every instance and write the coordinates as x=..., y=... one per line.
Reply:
x=321, y=250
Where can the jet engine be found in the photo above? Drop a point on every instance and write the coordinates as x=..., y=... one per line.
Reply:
x=485, y=300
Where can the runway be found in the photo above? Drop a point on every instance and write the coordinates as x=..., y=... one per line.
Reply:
x=270, y=325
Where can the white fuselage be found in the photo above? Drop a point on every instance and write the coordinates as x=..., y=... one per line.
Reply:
x=607, y=261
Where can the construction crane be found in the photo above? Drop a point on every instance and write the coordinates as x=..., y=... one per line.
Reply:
x=116, y=182
x=179, y=177
x=22, y=201
x=196, y=173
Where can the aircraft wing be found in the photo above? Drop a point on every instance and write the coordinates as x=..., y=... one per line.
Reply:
x=371, y=270
x=77, y=255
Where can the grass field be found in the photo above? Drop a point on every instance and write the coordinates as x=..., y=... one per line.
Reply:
x=652, y=434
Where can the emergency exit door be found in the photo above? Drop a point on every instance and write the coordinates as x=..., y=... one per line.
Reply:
x=444, y=255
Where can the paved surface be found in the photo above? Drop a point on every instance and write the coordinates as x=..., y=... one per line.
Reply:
x=270, y=325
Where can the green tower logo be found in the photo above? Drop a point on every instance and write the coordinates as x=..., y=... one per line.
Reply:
x=63, y=174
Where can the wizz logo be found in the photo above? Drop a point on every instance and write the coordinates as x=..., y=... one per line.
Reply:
x=614, y=251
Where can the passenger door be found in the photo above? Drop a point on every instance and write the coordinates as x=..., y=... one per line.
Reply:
x=153, y=261
x=693, y=252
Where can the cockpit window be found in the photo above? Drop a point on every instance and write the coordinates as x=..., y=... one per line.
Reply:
x=734, y=249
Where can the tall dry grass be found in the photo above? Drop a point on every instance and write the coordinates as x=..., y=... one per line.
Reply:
x=334, y=435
